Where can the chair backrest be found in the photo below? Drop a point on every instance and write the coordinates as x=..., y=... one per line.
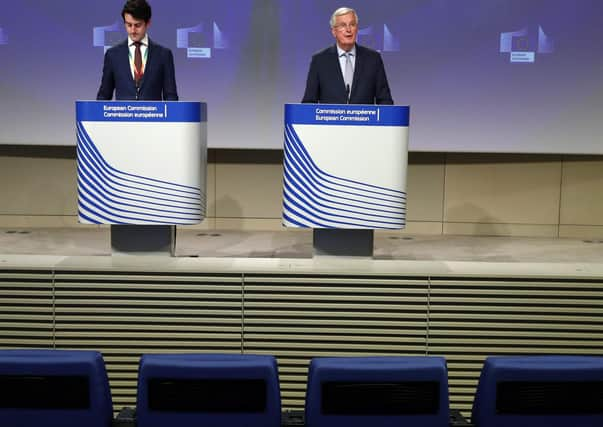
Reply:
x=54, y=388
x=377, y=392
x=538, y=391
x=218, y=390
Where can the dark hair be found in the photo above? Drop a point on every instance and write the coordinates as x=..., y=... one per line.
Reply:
x=139, y=9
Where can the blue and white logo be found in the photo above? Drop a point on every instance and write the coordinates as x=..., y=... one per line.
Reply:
x=523, y=45
x=200, y=40
x=3, y=36
x=108, y=36
x=379, y=39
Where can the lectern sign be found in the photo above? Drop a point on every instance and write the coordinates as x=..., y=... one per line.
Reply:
x=351, y=115
x=345, y=166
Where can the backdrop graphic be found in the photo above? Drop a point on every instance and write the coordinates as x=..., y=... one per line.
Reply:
x=480, y=76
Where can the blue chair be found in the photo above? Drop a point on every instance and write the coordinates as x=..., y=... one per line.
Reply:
x=217, y=390
x=377, y=392
x=54, y=388
x=551, y=391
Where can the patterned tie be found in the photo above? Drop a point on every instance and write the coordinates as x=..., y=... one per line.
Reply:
x=138, y=71
x=348, y=75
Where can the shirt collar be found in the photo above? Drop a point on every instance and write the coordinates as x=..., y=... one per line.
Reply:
x=144, y=41
x=341, y=52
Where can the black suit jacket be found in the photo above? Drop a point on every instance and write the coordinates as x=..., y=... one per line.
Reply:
x=325, y=81
x=158, y=82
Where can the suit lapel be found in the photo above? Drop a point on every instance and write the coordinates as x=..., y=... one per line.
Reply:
x=337, y=67
x=149, y=65
x=357, y=69
x=124, y=64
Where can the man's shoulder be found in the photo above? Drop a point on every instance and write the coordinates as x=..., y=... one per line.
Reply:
x=363, y=50
x=118, y=47
x=327, y=51
x=158, y=47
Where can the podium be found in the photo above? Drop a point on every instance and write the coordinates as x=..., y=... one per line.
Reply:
x=141, y=168
x=345, y=173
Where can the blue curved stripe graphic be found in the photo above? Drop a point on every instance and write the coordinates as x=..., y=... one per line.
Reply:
x=313, y=197
x=107, y=195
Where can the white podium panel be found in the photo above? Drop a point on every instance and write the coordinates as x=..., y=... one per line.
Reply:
x=141, y=163
x=345, y=166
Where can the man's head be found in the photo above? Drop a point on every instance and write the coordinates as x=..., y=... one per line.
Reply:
x=137, y=18
x=344, y=26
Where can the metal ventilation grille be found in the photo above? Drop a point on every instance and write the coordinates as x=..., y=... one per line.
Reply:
x=296, y=317
x=474, y=318
x=299, y=317
x=128, y=314
x=26, y=309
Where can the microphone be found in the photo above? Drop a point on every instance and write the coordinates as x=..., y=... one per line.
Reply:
x=347, y=92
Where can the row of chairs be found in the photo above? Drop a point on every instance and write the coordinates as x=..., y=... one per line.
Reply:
x=48, y=388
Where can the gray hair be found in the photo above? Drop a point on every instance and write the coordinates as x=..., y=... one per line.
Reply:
x=342, y=11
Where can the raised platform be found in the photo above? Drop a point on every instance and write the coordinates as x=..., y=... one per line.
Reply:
x=298, y=244
x=463, y=298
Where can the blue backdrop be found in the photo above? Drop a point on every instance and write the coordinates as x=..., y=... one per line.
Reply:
x=479, y=75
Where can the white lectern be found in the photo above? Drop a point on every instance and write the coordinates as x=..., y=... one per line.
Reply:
x=345, y=173
x=141, y=168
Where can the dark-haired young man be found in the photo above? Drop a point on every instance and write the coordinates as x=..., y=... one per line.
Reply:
x=138, y=68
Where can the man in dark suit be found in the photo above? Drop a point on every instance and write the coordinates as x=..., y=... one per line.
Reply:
x=138, y=68
x=347, y=72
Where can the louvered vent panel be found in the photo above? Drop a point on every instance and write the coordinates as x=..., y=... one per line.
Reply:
x=26, y=304
x=471, y=319
x=124, y=315
x=297, y=317
x=300, y=317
